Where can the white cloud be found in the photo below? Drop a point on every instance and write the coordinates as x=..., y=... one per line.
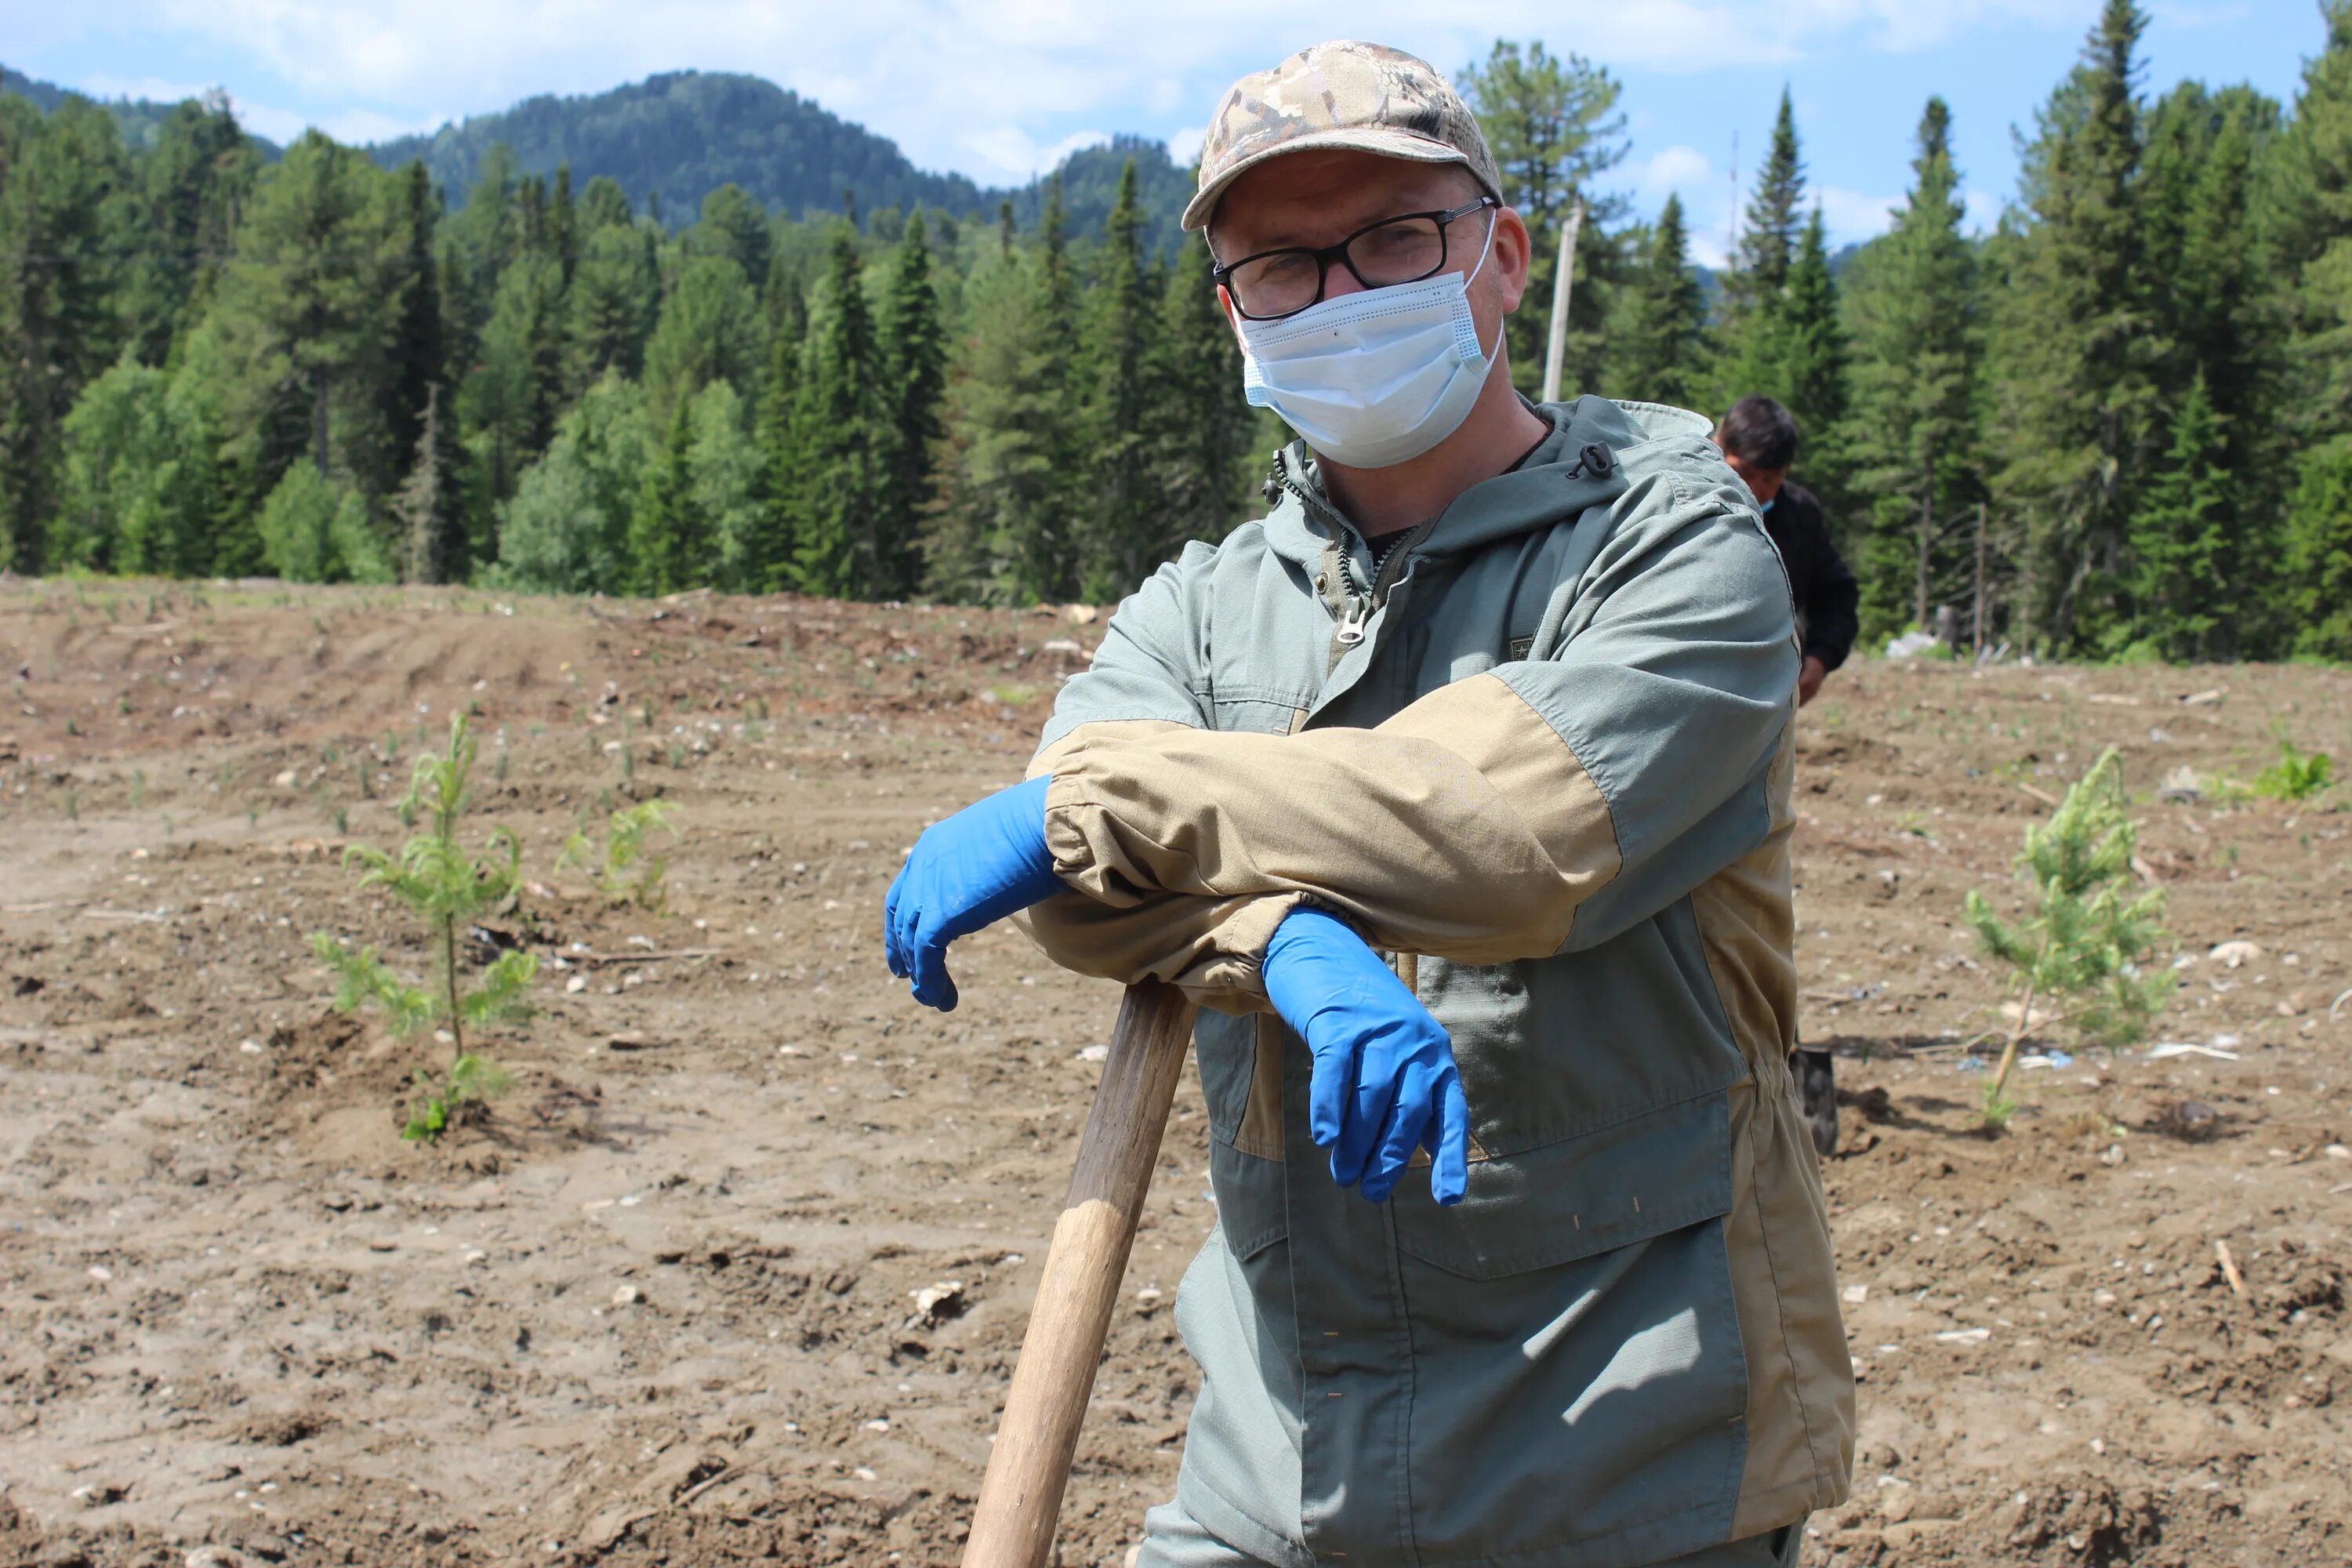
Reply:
x=1683, y=169
x=104, y=85
x=1184, y=146
x=1850, y=216
x=982, y=85
x=1980, y=211
x=1011, y=155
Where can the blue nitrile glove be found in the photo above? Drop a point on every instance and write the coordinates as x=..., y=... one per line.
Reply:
x=1384, y=1082
x=987, y=861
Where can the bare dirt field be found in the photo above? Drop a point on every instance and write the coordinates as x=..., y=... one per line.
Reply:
x=662, y=1308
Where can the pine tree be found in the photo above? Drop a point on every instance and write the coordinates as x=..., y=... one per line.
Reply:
x=1918, y=341
x=312, y=300
x=2074, y=393
x=614, y=292
x=1123, y=540
x=913, y=386
x=837, y=433
x=1554, y=128
x=666, y=540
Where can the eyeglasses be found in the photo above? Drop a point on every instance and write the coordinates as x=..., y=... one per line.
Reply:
x=1405, y=248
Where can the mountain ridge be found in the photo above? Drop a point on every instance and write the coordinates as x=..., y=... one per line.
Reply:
x=672, y=138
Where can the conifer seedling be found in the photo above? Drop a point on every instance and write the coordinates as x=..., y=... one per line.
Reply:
x=628, y=874
x=448, y=887
x=2080, y=950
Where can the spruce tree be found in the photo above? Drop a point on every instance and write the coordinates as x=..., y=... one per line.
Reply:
x=2180, y=582
x=59, y=184
x=913, y=386
x=836, y=435
x=1811, y=369
x=1199, y=426
x=708, y=330
x=425, y=507
x=1755, y=289
x=770, y=562
x=2075, y=396
x=734, y=226
x=417, y=350
x=666, y=540
x=1043, y=505
x=1914, y=434
x=190, y=183
x=1123, y=520
x=2319, y=552
x=1663, y=352
x=516, y=394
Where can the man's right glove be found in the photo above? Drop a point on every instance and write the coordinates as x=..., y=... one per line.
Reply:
x=1384, y=1081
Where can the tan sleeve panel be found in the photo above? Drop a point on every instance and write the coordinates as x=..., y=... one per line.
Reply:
x=1746, y=923
x=1209, y=948
x=1800, y=1419
x=1463, y=827
x=1048, y=759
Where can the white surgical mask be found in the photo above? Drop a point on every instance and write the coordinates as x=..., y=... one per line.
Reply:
x=1373, y=379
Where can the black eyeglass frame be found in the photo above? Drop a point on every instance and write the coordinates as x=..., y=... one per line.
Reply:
x=1327, y=255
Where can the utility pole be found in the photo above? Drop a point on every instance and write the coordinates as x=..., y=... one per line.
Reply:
x=1558, y=350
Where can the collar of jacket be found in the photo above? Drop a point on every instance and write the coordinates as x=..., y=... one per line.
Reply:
x=1558, y=481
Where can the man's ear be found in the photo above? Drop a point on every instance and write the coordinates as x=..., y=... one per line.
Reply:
x=1232, y=317
x=1509, y=258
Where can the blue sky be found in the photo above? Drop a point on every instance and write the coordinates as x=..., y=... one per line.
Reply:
x=999, y=88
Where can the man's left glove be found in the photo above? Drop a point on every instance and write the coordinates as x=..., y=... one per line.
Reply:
x=987, y=861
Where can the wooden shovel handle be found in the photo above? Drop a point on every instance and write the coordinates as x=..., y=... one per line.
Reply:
x=1021, y=1497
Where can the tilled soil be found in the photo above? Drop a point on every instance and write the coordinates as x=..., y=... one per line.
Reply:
x=737, y=1269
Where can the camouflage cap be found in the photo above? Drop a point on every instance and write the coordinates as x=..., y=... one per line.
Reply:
x=1345, y=94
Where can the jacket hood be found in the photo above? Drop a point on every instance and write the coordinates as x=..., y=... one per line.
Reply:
x=1559, y=479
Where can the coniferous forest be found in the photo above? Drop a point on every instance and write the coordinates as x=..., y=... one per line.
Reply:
x=2125, y=412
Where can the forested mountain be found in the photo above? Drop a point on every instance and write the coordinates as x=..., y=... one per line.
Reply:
x=671, y=140
x=676, y=137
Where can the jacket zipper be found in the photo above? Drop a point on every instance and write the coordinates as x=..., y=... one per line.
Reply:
x=1353, y=610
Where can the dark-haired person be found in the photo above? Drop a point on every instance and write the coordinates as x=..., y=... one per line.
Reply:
x=1759, y=440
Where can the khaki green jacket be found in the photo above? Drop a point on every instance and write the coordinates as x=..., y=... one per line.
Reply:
x=1544, y=759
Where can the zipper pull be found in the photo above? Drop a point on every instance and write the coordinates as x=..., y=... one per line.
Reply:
x=1352, y=624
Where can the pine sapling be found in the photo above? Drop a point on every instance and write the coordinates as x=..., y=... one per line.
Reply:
x=441, y=882
x=629, y=873
x=2080, y=950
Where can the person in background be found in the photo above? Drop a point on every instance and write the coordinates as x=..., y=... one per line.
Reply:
x=1759, y=441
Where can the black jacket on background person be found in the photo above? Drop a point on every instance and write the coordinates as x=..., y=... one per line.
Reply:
x=1828, y=597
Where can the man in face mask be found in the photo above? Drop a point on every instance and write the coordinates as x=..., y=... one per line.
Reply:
x=1456, y=790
